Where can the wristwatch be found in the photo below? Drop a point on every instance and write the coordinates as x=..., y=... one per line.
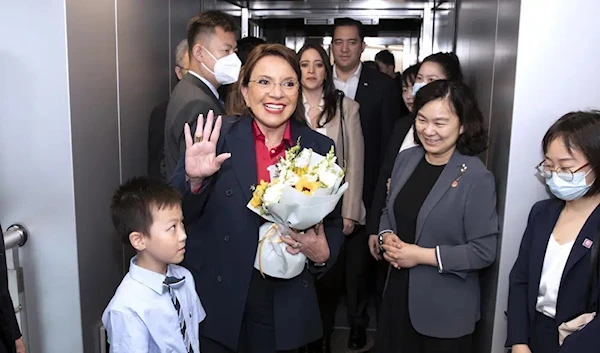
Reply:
x=319, y=264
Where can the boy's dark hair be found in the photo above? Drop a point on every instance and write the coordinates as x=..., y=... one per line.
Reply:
x=132, y=205
x=205, y=23
x=474, y=139
x=580, y=131
x=349, y=22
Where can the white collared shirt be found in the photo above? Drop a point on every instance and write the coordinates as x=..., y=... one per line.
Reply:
x=555, y=261
x=141, y=317
x=409, y=140
x=348, y=87
x=206, y=82
x=320, y=130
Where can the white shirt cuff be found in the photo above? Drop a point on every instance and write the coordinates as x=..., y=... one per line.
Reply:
x=439, y=259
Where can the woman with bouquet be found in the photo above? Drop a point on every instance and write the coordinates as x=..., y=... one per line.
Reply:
x=330, y=113
x=247, y=311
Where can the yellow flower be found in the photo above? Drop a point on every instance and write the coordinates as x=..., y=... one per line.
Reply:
x=307, y=187
x=259, y=191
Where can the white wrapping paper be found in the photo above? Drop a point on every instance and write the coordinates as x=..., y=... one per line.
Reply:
x=292, y=209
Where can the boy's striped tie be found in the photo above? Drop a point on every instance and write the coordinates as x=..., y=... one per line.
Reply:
x=171, y=283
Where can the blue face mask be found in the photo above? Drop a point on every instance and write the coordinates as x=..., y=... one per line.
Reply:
x=569, y=190
x=417, y=87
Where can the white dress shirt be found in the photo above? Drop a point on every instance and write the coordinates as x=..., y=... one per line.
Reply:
x=348, y=87
x=409, y=140
x=206, y=82
x=552, y=270
x=320, y=130
x=141, y=317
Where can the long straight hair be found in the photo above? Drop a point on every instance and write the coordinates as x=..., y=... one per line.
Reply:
x=330, y=96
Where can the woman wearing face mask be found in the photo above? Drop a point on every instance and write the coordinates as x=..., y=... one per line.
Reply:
x=438, y=229
x=336, y=116
x=555, y=277
x=439, y=66
x=247, y=312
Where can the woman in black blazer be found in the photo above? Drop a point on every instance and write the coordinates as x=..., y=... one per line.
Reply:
x=554, y=279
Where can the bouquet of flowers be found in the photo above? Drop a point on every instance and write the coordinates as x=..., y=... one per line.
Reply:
x=305, y=187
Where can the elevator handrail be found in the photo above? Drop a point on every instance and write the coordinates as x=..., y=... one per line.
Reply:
x=15, y=235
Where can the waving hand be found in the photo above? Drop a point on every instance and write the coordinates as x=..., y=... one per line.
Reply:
x=201, y=160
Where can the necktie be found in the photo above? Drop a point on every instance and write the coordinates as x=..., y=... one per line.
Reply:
x=172, y=283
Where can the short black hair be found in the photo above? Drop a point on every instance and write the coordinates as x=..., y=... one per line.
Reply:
x=372, y=64
x=409, y=76
x=474, y=139
x=579, y=130
x=246, y=45
x=205, y=23
x=132, y=204
x=347, y=21
x=386, y=57
x=449, y=62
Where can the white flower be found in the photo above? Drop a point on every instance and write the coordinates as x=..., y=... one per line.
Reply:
x=273, y=194
x=303, y=158
x=328, y=177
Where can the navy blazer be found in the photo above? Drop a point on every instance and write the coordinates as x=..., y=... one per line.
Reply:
x=223, y=239
x=527, y=271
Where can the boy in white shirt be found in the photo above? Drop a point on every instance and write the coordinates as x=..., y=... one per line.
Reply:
x=156, y=308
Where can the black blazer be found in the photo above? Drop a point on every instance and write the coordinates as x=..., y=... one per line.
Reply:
x=401, y=128
x=223, y=239
x=9, y=328
x=190, y=98
x=379, y=109
x=526, y=274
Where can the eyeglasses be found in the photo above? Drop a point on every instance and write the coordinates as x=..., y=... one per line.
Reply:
x=564, y=173
x=265, y=84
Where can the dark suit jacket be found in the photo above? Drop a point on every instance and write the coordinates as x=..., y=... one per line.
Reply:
x=379, y=195
x=223, y=239
x=527, y=271
x=379, y=109
x=156, y=140
x=9, y=328
x=190, y=98
x=461, y=221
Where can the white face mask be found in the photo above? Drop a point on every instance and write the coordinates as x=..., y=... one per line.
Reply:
x=569, y=190
x=227, y=68
x=417, y=87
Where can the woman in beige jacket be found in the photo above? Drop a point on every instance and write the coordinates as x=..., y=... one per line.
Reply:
x=337, y=117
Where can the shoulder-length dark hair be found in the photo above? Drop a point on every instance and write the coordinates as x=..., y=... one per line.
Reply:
x=579, y=131
x=474, y=139
x=409, y=76
x=238, y=105
x=330, y=96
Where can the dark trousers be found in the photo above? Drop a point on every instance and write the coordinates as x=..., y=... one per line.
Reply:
x=354, y=269
x=257, y=334
x=544, y=338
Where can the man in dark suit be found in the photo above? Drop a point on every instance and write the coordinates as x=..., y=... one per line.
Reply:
x=379, y=109
x=156, y=127
x=10, y=335
x=213, y=62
